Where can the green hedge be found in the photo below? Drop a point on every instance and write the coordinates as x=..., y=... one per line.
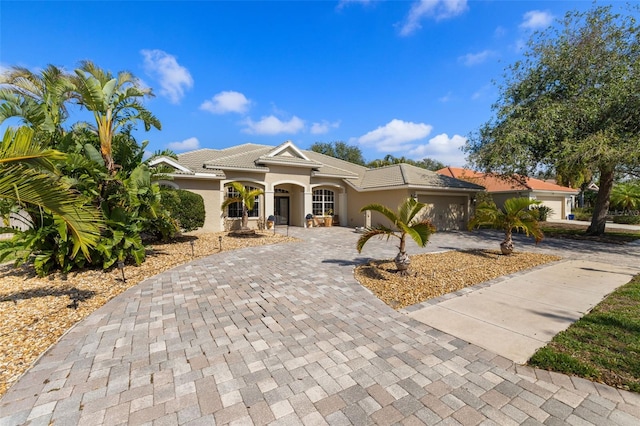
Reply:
x=627, y=220
x=185, y=206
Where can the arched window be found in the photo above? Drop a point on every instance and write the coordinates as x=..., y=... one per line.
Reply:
x=323, y=202
x=235, y=209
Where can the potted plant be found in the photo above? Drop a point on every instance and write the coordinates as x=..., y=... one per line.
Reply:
x=309, y=219
x=271, y=220
x=328, y=217
x=516, y=214
x=405, y=221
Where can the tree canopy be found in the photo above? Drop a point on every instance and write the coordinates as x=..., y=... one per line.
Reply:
x=571, y=105
x=340, y=150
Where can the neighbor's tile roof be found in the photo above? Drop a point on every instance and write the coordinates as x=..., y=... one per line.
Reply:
x=495, y=183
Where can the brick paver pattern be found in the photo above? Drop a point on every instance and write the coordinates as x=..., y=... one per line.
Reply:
x=284, y=335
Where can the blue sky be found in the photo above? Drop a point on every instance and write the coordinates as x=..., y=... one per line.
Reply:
x=407, y=78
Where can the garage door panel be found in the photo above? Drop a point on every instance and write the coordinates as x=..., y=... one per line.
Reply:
x=446, y=213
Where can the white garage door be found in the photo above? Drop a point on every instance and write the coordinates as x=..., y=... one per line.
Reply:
x=555, y=204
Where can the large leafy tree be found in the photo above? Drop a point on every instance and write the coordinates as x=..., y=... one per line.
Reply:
x=29, y=177
x=516, y=215
x=570, y=105
x=340, y=150
x=425, y=163
x=115, y=101
x=405, y=221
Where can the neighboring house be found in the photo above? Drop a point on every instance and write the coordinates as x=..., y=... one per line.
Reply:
x=298, y=182
x=558, y=198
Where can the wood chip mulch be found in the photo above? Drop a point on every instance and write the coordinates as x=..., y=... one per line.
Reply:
x=435, y=274
x=35, y=312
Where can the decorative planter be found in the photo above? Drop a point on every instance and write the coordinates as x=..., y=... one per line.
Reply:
x=309, y=223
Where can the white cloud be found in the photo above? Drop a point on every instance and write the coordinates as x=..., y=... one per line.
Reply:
x=438, y=9
x=396, y=135
x=441, y=148
x=174, y=79
x=323, y=127
x=536, y=19
x=471, y=59
x=272, y=125
x=185, y=145
x=228, y=101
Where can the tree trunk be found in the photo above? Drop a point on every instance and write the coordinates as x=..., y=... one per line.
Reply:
x=600, y=210
x=245, y=218
x=506, y=247
x=402, y=262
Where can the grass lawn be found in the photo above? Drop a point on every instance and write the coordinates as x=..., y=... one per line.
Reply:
x=576, y=232
x=602, y=346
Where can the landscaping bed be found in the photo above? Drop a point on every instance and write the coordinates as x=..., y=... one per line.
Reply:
x=577, y=232
x=435, y=274
x=35, y=312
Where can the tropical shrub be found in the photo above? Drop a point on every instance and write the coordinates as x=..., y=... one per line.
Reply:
x=543, y=212
x=186, y=207
x=627, y=219
x=581, y=213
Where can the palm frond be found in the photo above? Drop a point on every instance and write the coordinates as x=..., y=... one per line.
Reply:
x=382, y=209
x=371, y=232
x=420, y=232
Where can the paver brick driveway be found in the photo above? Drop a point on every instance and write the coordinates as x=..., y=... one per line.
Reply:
x=285, y=335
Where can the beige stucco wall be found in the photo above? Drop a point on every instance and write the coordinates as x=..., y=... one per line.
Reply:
x=390, y=198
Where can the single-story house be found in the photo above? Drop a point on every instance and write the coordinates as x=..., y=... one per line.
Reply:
x=558, y=198
x=299, y=182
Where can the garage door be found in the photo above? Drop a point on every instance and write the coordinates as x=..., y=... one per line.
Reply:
x=555, y=204
x=446, y=213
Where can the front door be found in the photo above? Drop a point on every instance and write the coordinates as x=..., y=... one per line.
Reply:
x=282, y=210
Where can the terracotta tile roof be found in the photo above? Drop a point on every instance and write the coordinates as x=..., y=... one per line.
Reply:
x=495, y=183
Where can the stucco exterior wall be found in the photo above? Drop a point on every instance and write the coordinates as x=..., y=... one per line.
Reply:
x=390, y=198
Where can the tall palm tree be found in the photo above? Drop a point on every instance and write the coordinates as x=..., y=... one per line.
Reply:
x=405, y=222
x=515, y=215
x=114, y=102
x=245, y=196
x=28, y=176
x=39, y=100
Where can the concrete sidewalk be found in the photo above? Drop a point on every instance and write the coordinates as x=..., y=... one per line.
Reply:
x=517, y=316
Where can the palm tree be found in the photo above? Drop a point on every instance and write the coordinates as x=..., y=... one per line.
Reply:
x=405, y=222
x=37, y=99
x=114, y=102
x=626, y=196
x=245, y=196
x=515, y=215
x=27, y=176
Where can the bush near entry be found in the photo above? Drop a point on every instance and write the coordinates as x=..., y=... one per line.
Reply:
x=186, y=207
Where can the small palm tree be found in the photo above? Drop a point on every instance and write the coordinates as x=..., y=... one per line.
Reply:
x=405, y=223
x=245, y=196
x=515, y=215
